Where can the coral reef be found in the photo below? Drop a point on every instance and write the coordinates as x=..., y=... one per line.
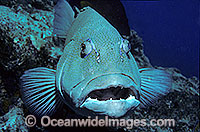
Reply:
x=26, y=42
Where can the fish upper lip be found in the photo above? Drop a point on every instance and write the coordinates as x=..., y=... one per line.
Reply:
x=131, y=87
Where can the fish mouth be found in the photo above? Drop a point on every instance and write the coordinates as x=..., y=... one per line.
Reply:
x=112, y=93
x=113, y=101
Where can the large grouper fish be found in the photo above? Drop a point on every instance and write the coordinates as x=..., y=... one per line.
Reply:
x=96, y=75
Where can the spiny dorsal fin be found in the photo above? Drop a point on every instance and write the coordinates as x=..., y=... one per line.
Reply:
x=63, y=18
x=39, y=92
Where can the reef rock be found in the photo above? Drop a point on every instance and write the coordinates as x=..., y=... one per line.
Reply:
x=23, y=27
x=13, y=121
x=29, y=5
x=23, y=35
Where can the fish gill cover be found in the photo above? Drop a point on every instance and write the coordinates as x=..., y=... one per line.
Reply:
x=26, y=42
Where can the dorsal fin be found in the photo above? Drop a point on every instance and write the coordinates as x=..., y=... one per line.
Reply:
x=63, y=18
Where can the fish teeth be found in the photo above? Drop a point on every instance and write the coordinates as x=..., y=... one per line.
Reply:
x=88, y=98
x=130, y=97
x=121, y=99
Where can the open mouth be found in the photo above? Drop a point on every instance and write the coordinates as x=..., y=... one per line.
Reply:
x=111, y=93
x=112, y=101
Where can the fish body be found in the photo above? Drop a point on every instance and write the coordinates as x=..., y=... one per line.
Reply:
x=103, y=67
x=96, y=73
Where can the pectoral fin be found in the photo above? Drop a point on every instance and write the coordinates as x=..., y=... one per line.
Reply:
x=39, y=92
x=154, y=84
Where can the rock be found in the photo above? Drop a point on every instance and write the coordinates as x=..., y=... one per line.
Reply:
x=14, y=120
x=23, y=27
x=29, y=5
x=22, y=35
x=181, y=83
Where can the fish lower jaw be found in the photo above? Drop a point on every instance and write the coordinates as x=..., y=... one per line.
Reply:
x=112, y=108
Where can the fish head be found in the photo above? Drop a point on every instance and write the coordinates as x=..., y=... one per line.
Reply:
x=97, y=72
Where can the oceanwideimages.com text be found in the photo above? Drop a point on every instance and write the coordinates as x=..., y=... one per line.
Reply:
x=99, y=122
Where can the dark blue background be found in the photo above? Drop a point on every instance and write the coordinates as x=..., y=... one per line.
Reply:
x=170, y=30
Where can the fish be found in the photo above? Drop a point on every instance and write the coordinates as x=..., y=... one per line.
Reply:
x=96, y=74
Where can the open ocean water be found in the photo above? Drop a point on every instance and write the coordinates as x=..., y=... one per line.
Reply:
x=170, y=31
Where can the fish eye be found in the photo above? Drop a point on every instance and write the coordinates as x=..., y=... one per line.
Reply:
x=86, y=48
x=125, y=46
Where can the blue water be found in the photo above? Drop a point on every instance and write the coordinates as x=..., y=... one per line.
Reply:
x=170, y=30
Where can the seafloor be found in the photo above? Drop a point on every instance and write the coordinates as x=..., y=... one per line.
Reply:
x=26, y=42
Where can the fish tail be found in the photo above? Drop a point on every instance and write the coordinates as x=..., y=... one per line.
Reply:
x=39, y=92
x=154, y=84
